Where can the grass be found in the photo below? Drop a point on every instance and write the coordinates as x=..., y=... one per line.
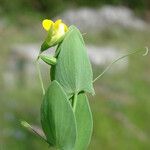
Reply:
x=120, y=107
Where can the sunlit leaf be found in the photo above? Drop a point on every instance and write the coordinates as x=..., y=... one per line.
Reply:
x=57, y=118
x=84, y=122
x=73, y=69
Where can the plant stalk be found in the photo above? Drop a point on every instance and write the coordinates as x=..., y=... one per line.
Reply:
x=40, y=77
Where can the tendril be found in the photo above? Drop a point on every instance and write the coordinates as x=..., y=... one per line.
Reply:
x=110, y=65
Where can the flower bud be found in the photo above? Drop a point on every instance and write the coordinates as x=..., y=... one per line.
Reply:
x=56, y=31
x=50, y=60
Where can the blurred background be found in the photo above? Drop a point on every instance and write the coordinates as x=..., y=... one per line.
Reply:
x=111, y=28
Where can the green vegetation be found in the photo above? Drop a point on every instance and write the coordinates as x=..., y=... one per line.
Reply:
x=120, y=108
x=51, y=7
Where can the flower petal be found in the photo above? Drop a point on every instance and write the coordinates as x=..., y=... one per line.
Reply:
x=57, y=23
x=47, y=24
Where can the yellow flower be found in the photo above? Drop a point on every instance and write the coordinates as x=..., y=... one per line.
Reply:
x=56, y=31
x=47, y=24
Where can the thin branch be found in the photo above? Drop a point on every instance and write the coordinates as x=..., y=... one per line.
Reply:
x=31, y=128
x=40, y=77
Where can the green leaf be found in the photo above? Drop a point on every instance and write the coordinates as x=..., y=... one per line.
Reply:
x=57, y=118
x=73, y=69
x=84, y=122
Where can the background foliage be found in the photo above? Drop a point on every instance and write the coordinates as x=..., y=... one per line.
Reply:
x=55, y=6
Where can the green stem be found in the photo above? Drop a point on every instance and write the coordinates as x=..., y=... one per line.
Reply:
x=74, y=102
x=110, y=65
x=40, y=77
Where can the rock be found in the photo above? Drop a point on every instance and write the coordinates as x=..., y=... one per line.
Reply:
x=3, y=24
x=29, y=52
x=21, y=65
x=90, y=19
x=103, y=56
x=22, y=69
